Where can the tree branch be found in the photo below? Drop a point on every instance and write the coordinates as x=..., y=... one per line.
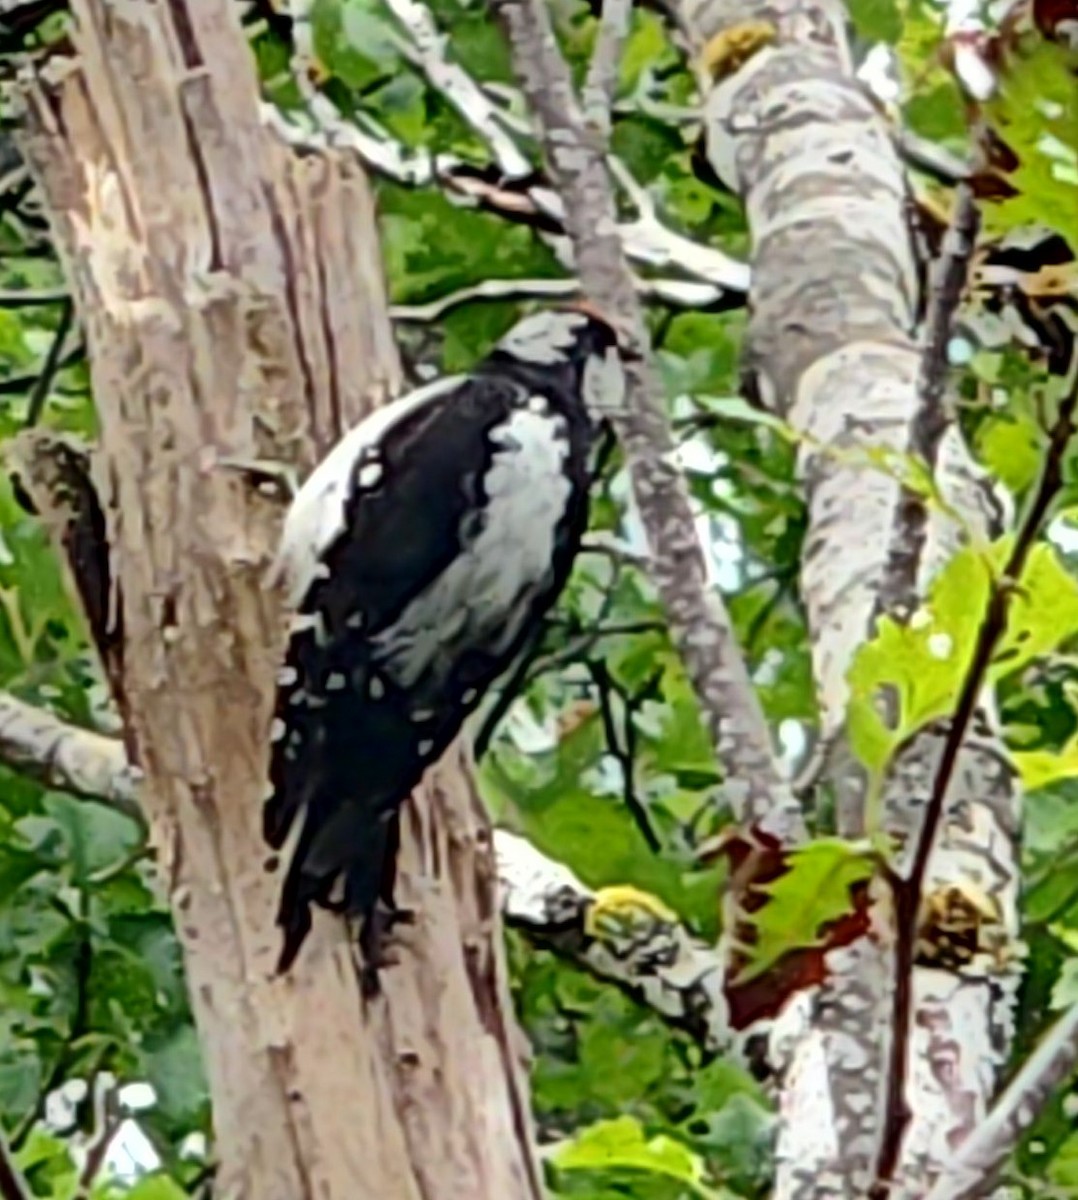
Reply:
x=970, y=1172
x=602, y=81
x=641, y=947
x=622, y=936
x=428, y=52
x=41, y=746
x=699, y=623
x=678, y=293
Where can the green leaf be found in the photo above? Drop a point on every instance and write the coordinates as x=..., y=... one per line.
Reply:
x=622, y=1145
x=175, y=1071
x=814, y=891
x=156, y=1187
x=876, y=20
x=356, y=40
x=1042, y=613
x=910, y=674
x=1065, y=991
x=96, y=837
x=1035, y=113
x=1010, y=447
x=1041, y=768
x=48, y=1167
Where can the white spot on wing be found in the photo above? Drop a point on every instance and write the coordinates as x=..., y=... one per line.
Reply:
x=376, y=688
x=277, y=729
x=287, y=676
x=369, y=475
x=335, y=682
x=424, y=746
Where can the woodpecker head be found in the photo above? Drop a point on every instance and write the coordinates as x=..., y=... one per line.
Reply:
x=577, y=342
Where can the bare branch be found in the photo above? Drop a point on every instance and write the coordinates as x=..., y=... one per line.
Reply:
x=619, y=935
x=968, y=1175
x=899, y=587
x=458, y=87
x=602, y=82
x=638, y=945
x=36, y=404
x=81, y=761
x=675, y=292
x=699, y=622
x=647, y=241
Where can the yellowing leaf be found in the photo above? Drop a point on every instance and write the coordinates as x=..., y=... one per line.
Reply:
x=1011, y=448
x=1039, y=768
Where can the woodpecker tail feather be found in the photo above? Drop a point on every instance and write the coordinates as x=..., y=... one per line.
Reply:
x=346, y=865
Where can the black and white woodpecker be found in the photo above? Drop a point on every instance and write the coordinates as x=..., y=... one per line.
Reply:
x=419, y=556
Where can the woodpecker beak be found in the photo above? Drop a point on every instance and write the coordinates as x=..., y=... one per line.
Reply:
x=590, y=310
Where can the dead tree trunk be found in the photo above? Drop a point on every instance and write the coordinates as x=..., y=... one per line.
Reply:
x=234, y=307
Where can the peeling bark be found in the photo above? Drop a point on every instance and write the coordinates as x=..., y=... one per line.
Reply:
x=832, y=344
x=233, y=303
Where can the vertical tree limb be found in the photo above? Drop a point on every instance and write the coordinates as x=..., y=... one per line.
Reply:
x=234, y=307
x=835, y=307
x=700, y=625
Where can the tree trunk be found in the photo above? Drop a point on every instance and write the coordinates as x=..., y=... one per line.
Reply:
x=234, y=307
x=833, y=347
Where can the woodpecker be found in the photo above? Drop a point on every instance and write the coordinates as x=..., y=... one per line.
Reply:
x=419, y=556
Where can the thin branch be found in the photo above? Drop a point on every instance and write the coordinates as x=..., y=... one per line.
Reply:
x=907, y=891
x=899, y=586
x=623, y=748
x=646, y=240
x=654, y=959
x=39, y=745
x=970, y=1172
x=458, y=87
x=700, y=625
x=80, y=1018
x=26, y=298
x=931, y=157
x=69, y=354
x=948, y=281
x=51, y=365
x=665, y=968
x=677, y=292
x=602, y=81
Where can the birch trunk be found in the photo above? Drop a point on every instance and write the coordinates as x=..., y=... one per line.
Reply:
x=832, y=346
x=233, y=302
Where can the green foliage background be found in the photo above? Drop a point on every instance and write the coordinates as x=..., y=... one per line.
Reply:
x=90, y=971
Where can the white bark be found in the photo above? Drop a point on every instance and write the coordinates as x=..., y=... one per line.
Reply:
x=835, y=306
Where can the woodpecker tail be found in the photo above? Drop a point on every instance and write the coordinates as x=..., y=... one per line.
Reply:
x=345, y=865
